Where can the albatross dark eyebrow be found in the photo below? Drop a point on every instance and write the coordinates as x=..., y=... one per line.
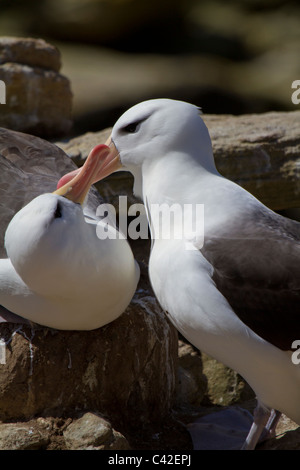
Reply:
x=132, y=127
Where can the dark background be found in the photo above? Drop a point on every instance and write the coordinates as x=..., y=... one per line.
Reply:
x=228, y=57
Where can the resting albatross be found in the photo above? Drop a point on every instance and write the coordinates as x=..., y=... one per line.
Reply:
x=236, y=294
x=58, y=272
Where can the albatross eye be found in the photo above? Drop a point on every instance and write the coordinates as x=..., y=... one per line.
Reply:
x=58, y=211
x=132, y=127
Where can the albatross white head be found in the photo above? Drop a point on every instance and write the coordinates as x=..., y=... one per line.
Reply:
x=43, y=238
x=154, y=134
x=158, y=132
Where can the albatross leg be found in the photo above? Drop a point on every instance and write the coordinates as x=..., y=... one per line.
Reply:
x=270, y=429
x=261, y=420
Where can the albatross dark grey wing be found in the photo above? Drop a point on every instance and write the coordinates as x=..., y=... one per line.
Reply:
x=256, y=266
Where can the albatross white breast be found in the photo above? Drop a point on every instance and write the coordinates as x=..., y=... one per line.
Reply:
x=236, y=294
x=58, y=272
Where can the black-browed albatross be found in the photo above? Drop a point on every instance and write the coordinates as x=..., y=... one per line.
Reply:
x=236, y=296
x=58, y=272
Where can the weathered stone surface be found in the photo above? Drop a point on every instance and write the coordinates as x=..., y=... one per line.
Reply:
x=119, y=370
x=287, y=436
x=79, y=147
x=93, y=432
x=29, y=51
x=191, y=383
x=261, y=152
x=38, y=98
x=52, y=433
x=23, y=436
x=224, y=386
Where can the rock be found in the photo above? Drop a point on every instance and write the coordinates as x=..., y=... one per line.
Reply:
x=79, y=147
x=119, y=442
x=191, y=383
x=93, y=432
x=287, y=436
x=118, y=370
x=23, y=436
x=38, y=98
x=260, y=152
x=29, y=51
x=224, y=386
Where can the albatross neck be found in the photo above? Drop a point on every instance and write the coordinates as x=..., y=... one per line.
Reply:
x=176, y=177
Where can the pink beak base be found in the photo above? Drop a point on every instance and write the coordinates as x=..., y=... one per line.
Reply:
x=76, y=184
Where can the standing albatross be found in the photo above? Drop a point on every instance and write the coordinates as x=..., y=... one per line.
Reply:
x=58, y=272
x=236, y=293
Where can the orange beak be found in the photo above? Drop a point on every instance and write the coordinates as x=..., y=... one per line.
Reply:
x=101, y=162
